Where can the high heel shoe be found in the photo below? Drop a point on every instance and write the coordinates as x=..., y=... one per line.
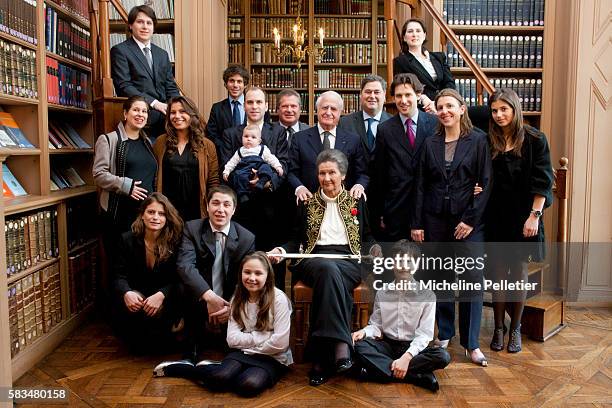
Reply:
x=497, y=342
x=514, y=342
x=480, y=359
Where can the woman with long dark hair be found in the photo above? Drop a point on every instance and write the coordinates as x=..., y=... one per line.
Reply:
x=449, y=214
x=146, y=285
x=522, y=189
x=187, y=159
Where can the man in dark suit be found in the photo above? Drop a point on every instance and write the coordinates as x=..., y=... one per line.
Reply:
x=307, y=144
x=289, y=106
x=265, y=213
x=228, y=112
x=208, y=263
x=139, y=67
x=365, y=122
x=398, y=147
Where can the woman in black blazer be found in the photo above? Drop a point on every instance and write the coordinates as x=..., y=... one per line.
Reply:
x=146, y=285
x=523, y=188
x=454, y=161
x=429, y=67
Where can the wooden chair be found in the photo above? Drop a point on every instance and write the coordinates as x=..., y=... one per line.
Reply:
x=302, y=298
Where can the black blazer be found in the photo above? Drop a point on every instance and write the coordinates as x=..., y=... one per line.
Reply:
x=197, y=254
x=471, y=165
x=395, y=167
x=407, y=63
x=132, y=76
x=131, y=272
x=307, y=145
x=220, y=118
x=354, y=123
x=536, y=178
x=271, y=135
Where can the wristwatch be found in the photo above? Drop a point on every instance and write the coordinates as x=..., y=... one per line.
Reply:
x=537, y=213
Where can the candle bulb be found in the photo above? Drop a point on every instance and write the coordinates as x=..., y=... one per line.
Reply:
x=276, y=38
x=321, y=35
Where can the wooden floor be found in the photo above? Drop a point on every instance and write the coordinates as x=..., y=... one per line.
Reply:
x=574, y=368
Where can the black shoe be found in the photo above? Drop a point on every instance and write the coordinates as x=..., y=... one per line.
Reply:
x=427, y=381
x=317, y=378
x=344, y=364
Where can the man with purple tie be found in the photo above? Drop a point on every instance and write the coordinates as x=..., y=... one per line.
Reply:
x=398, y=148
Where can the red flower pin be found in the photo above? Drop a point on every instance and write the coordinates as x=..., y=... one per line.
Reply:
x=354, y=212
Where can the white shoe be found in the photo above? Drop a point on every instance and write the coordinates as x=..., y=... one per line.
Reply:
x=207, y=362
x=441, y=343
x=158, y=371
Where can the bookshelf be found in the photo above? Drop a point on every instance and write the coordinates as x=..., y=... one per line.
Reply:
x=509, y=41
x=48, y=44
x=355, y=44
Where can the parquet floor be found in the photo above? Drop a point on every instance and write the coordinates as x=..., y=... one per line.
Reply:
x=574, y=368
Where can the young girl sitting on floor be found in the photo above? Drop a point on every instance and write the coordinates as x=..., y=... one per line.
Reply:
x=258, y=333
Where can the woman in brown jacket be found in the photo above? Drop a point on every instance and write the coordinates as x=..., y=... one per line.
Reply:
x=187, y=160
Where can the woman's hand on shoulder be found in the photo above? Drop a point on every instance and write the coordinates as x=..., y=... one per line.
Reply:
x=417, y=235
x=275, y=255
x=357, y=191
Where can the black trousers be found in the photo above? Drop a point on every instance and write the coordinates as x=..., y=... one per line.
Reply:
x=377, y=355
x=332, y=282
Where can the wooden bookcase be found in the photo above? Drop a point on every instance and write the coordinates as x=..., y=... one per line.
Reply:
x=32, y=168
x=361, y=35
x=517, y=31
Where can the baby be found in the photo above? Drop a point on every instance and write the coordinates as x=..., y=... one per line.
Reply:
x=253, y=157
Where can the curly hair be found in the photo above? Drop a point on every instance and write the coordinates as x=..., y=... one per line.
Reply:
x=197, y=126
x=170, y=236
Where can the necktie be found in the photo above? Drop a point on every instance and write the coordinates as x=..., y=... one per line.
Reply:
x=236, y=113
x=217, y=269
x=326, y=142
x=410, y=132
x=370, y=134
x=147, y=53
x=289, y=133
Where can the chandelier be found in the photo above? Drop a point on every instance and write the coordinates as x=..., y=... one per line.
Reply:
x=297, y=50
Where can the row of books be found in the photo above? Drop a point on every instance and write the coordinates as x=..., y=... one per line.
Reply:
x=345, y=27
x=381, y=53
x=529, y=91
x=234, y=7
x=78, y=7
x=352, y=7
x=11, y=187
x=18, y=70
x=337, y=78
x=18, y=18
x=381, y=29
x=235, y=54
x=66, y=38
x=348, y=53
x=272, y=100
x=11, y=135
x=30, y=239
x=80, y=228
x=263, y=53
x=267, y=77
x=63, y=136
x=164, y=41
x=494, y=51
x=35, y=306
x=269, y=7
x=234, y=28
x=64, y=176
x=494, y=12
x=82, y=270
x=351, y=102
x=66, y=85
x=164, y=9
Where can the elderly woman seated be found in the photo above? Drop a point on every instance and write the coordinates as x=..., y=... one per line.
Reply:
x=331, y=222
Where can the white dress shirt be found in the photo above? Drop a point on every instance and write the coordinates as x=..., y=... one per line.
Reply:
x=404, y=315
x=333, y=230
x=375, y=122
x=274, y=343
